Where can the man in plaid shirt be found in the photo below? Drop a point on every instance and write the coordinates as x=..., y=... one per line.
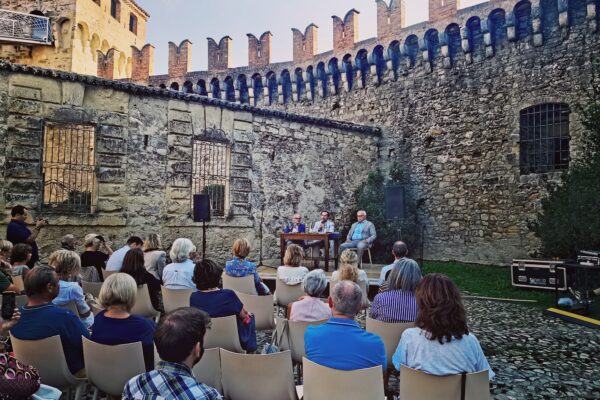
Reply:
x=179, y=340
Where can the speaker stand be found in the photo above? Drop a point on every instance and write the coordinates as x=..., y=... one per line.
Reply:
x=203, y=240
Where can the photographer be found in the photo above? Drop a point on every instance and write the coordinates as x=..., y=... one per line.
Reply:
x=95, y=255
x=18, y=232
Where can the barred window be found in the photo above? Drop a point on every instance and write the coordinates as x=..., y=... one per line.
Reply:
x=69, y=168
x=544, y=138
x=210, y=173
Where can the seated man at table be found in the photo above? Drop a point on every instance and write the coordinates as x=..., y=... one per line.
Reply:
x=296, y=226
x=323, y=225
x=361, y=236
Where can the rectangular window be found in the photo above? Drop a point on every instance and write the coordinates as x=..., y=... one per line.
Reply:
x=133, y=23
x=69, y=168
x=115, y=9
x=210, y=173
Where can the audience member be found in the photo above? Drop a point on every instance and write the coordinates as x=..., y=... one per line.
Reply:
x=398, y=303
x=179, y=274
x=399, y=251
x=115, y=261
x=240, y=267
x=67, y=264
x=310, y=307
x=341, y=343
x=115, y=325
x=221, y=302
x=41, y=319
x=95, y=255
x=20, y=256
x=349, y=271
x=361, y=236
x=441, y=344
x=68, y=242
x=18, y=232
x=6, y=281
x=133, y=265
x=154, y=257
x=5, y=250
x=179, y=341
x=291, y=273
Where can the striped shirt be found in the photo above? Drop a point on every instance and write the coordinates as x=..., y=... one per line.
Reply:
x=168, y=381
x=394, y=306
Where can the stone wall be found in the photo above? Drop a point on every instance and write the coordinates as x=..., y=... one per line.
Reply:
x=280, y=163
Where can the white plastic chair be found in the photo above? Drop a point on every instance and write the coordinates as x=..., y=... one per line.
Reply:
x=208, y=370
x=175, y=298
x=106, y=274
x=368, y=252
x=223, y=333
x=244, y=284
x=418, y=385
x=143, y=305
x=261, y=307
x=92, y=288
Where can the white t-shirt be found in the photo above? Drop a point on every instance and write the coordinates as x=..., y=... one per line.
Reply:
x=291, y=275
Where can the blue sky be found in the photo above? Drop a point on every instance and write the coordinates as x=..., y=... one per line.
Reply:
x=176, y=20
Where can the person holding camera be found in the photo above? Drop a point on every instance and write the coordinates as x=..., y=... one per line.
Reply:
x=95, y=255
x=18, y=232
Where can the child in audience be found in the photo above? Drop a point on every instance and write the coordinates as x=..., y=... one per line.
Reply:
x=19, y=257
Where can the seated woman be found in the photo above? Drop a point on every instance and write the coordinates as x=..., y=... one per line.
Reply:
x=133, y=265
x=221, y=302
x=67, y=264
x=115, y=325
x=179, y=273
x=441, y=343
x=240, y=267
x=20, y=255
x=154, y=257
x=310, y=307
x=291, y=273
x=349, y=271
x=398, y=303
x=6, y=280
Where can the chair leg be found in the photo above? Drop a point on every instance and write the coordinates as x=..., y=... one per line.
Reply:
x=370, y=259
x=79, y=391
x=95, y=396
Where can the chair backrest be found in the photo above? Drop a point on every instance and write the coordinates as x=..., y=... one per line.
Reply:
x=143, y=305
x=71, y=306
x=261, y=307
x=208, y=370
x=364, y=288
x=18, y=282
x=106, y=274
x=245, y=284
x=92, y=288
x=48, y=357
x=21, y=300
x=100, y=361
x=175, y=298
x=296, y=331
x=326, y=383
x=223, y=333
x=287, y=294
x=419, y=385
x=389, y=332
x=258, y=376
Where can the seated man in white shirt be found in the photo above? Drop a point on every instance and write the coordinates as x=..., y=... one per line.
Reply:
x=399, y=251
x=115, y=261
x=323, y=225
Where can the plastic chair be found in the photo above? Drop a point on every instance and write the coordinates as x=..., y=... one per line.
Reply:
x=258, y=376
x=48, y=357
x=175, y=298
x=223, y=333
x=143, y=305
x=418, y=385
x=106, y=274
x=92, y=288
x=261, y=307
x=208, y=370
x=326, y=383
x=286, y=294
x=100, y=361
x=70, y=306
x=244, y=284
x=389, y=332
x=18, y=282
x=296, y=331
x=20, y=301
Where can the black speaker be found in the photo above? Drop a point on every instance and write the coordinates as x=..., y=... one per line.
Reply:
x=201, y=208
x=394, y=202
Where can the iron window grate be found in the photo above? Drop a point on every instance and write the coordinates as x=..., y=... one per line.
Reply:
x=210, y=173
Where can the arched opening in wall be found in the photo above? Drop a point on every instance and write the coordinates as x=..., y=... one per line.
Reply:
x=577, y=10
x=549, y=16
x=162, y=86
x=272, y=87
x=105, y=47
x=362, y=65
x=323, y=78
x=475, y=35
x=300, y=85
x=83, y=34
x=201, y=88
x=522, y=12
x=215, y=88
x=64, y=34
x=379, y=61
x=453, y=39
x=242, y=86
x=312, y=81
x=257, y=88
x=432, y=43
x=348, y=70
x=94, y=46
x=286, y=86
x=129, y=67
x=174, y=86
x=188, y=87
x=411, y=47
x=394, y=55
x=229, y=89
x=121, y=64
x=336, y=77
x=497, y=27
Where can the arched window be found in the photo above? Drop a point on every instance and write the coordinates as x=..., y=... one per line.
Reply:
x=497, y=26
x=523, y=27
x=379, y=61
x=348, y=70
x=272, y=87
x=257, y=88
x=229, y=89
x=411, y=46
x=544, y=138
x=201, y=88
x=162, y=86
x=394, y=55
x=432, y=42
x=362, y=65
x=286, y=86
x=215, y=88
x=454, y=41
x=300, y=86
x=334, y=71
x=188, y=87
x=312, y=82
x=242, y=85
x=577, y=12
x=474, y=34
x=323, y=78
x=175, y=86
x=549, y=16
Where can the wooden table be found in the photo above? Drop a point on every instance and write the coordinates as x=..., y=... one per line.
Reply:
x=323, y=237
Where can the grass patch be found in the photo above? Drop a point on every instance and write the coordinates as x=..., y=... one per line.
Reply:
x=489, y=281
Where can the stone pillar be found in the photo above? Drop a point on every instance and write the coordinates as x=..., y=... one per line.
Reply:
x=466, y=46
x=592, y=12
x=511, y=31
x=563, y=13
x=536, y=20
x=487, y=39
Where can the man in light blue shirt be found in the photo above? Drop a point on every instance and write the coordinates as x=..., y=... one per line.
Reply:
x=361, y=236
x=323, y=225
x=115, y=261
x=399, y=251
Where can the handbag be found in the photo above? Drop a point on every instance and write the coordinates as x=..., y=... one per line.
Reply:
x=17, y=381
x=274, y=346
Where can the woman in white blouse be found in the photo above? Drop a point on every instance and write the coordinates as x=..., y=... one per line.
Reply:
x=291, y=273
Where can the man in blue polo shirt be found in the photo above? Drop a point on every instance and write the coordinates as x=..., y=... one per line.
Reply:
x=341, y=343
x=18, y=232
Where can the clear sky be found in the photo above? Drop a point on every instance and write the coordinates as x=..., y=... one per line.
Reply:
x=176, y=20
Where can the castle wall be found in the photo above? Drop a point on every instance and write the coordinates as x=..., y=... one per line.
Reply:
x=279, y=163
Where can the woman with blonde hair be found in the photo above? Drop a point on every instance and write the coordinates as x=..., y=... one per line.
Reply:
x=349, y=271
x=67, y=265
x=154, y=257
x=95, y=255
x=291, y=273
x=240, y=267
x=6, y=280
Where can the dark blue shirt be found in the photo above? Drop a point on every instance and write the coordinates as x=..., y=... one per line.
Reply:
x=41, y=322
x=113, y=331
x=18, y=232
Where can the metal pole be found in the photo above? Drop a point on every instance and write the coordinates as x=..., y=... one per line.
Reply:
x=203, y=240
